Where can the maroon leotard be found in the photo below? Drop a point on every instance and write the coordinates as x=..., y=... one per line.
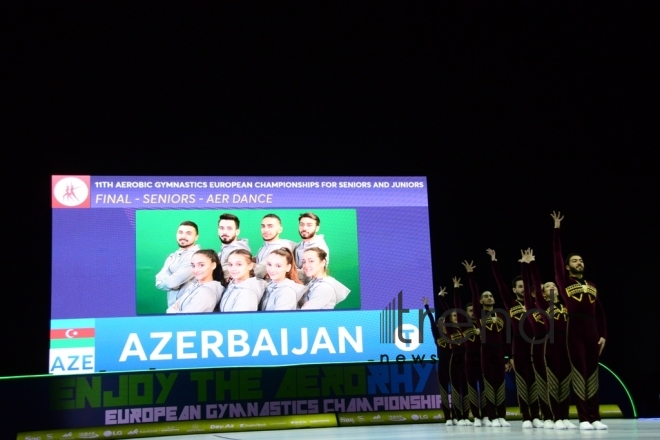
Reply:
x=473, y=374
x=558, y=367
x=444, y=364
x=586, y=324
x=492, y=326
x=540, y=326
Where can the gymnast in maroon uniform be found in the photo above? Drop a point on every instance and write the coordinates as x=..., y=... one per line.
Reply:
x=492, y=325
x=459, y=401
x=537, y=319
x=558, y=367
x=442, y=341
x=473, y=374
x=526, y=386
x=585, y=332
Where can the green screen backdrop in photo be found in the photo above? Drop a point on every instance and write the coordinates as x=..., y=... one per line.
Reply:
x=156, y=239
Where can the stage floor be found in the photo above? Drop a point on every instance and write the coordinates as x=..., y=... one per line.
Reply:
x=628, y=429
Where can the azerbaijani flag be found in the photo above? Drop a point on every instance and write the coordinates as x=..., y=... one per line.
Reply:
x=72, y=333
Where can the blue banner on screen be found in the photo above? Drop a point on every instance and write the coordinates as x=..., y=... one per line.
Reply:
x=309, y=270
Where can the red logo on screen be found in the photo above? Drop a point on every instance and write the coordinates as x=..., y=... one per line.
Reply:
x=71, y=192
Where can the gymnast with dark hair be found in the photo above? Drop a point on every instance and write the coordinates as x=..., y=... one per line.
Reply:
x=540, y=327
x=526, y=387
x=473, y=374
x=557, y=365
x=585, y=332
x=492, y=325
x=459, y=400
x=244, y=291
x=443, y=342
x=323, y=291
x=203, y=294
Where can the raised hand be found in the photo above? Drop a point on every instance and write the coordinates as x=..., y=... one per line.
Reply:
x=530, y=252
x=443, y=291
x=469, y=267
x=425, y=300
x=491, y=252
x=457, y=282
x=557, y=217
x=601, y=342
x=526, y=256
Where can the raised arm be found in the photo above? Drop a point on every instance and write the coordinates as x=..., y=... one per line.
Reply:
x=532, y=284
x=560, y=271
x=458, y=304
x=444, y=306
x=457, y=300
x=507, y=295
x=540, y=300
x=527, y=279
x=434, y=327
x=476, y=305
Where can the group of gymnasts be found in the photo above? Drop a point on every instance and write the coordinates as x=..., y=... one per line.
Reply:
x=551, y=332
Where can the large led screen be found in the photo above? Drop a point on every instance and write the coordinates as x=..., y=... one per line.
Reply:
x=133, y=285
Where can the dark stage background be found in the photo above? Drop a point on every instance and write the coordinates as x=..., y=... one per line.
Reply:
x=512, y=110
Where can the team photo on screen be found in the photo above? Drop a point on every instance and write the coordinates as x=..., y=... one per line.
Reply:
x=193, y=272
x=166, y=241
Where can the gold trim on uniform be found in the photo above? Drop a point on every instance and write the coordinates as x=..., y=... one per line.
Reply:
x=577, y=291
x=457, y=400
x=457, y=337
x=553, y=384
x=501, y=395
x=534, y=391
x=499, y=323
x=521, y=387
x=592, y=384
x=442, y=343
x=473, y=396
x=559, y=390
x=541, y=389
x=537, y=317
x=516, y=312
x=579, y=385
x=565, y=388
x=489, y=392
x=444, y=396
x=559, y=311
x=470, y=334
x=466, y=405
